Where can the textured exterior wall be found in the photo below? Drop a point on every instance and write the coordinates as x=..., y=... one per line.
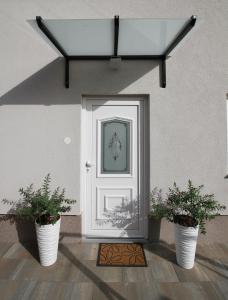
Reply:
x=187, y=119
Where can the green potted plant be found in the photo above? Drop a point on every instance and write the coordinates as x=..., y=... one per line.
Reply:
x=45, y=209
x=157, y=212
x=189, y=210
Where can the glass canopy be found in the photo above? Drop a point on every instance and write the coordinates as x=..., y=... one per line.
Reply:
x=116, y=38
x=96, y=37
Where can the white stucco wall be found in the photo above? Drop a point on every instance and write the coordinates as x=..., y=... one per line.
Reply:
x=187, y=119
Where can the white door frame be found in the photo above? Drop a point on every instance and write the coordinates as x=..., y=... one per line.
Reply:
x=145, y=155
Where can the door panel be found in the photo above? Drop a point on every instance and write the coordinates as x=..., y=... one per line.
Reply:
x=114, y=207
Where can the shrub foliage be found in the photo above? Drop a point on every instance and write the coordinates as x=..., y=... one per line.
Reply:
x=188, y=208
x=42, y=205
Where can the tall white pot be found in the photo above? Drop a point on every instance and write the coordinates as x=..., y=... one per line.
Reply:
x=186, y=239
x=48, y=240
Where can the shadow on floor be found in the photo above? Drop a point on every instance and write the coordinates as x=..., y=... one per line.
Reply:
x=109, y=292
x=26, y=233
x=167, y=251
x=162, y=249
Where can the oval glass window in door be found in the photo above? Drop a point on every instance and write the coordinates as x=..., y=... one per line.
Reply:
x=115, y=147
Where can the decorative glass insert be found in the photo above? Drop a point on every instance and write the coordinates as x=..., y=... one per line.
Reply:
x=115, y=147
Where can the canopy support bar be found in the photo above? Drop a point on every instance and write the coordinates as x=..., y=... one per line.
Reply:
x=50, y=36
x=188, y=26
x=108, y=57
x=116, y=35
x=163, y=73
x=66, y=72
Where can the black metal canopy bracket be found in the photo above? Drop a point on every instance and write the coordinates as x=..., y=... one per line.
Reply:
x=188, y=26
x=162, y=58
x=116, y=35
x=50, y=36
x=163, y=72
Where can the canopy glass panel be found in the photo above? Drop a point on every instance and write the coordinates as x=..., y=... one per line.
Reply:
x=83, y=37
x=147, y=36
x=96, y=36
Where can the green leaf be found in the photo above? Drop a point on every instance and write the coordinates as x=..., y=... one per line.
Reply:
x=41, y=204
x=191, y=202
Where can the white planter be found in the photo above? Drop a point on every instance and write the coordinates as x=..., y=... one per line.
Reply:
x=48, y=240
x=186, y=239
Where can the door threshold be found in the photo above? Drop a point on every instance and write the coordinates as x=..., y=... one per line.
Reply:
x=114, y=240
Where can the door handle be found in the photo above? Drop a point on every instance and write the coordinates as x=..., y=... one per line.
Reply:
x=88, y=164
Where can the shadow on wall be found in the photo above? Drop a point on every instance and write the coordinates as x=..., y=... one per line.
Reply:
x=126, y=218
x=46, y=87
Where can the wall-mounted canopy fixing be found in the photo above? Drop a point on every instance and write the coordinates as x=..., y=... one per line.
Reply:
x=126, y=39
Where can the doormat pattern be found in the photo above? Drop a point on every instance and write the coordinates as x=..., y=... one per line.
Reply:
x=121, y=255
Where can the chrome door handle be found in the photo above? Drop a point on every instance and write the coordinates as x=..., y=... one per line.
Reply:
x=88, y=164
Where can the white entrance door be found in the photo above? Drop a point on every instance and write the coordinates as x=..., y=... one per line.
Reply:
x=114, y=169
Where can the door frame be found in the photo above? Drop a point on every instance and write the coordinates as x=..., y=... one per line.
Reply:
x=145, y=186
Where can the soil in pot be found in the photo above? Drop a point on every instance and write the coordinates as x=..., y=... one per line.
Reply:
x=185, y=220
x=47, y=219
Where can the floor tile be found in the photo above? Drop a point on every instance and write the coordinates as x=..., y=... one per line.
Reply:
x=9, y=268
x=21, y=251
x=211, y=251
x=163, y=251
x=16, y=289
x=221, y=287
x=111, y=291
x=137, y=274
x=4, y=248
x=32, y=270
x=144, y=291
x=191, y=275
x=163, y=271
x=214, y=269
x=61, y=290
x=188, y=291
x=82, y=251
x=89, y=272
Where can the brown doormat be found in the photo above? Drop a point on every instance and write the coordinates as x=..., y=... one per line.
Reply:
x=121, y=255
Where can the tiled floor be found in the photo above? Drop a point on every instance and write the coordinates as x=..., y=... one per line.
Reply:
x=76, y=276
